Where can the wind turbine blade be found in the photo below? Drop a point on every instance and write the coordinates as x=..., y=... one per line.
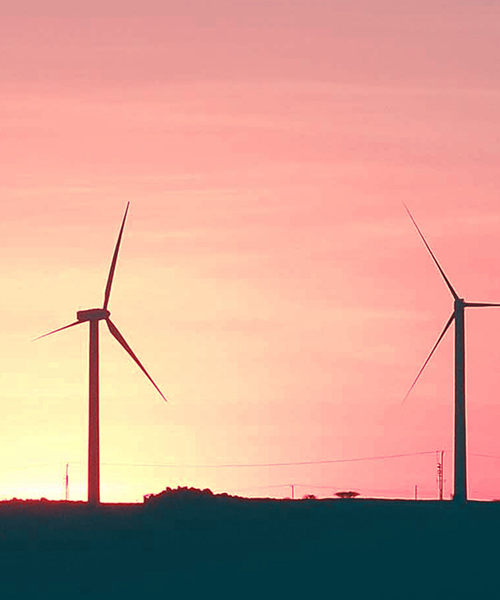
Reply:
x=113, y=262
x=450, y=287
x=450, y=321
x=480, y=304
x=118, y=336
x=56, y=330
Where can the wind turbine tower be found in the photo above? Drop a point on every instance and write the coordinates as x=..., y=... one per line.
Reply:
x=93, y=316
x=457, y=316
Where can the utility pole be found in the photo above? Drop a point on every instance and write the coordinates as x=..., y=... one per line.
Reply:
x=440, y=473
x=416, y=490
x=293, y=491
x=67, y=483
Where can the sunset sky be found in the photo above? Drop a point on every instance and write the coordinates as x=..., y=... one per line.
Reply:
x=270, y=279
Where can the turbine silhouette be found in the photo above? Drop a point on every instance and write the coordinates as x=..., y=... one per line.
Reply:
x=93, y=316
x=458, y=316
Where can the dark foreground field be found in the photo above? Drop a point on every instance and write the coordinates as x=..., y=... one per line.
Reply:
x=239, y=548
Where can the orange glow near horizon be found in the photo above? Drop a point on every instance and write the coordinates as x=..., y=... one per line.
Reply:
x=269, y=278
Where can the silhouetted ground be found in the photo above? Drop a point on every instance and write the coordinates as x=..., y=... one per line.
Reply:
x=195, y=543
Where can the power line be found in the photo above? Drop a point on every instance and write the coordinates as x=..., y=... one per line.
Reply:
x=486, y=456
x=326, y=487
x=271, y=485
x=257, y=465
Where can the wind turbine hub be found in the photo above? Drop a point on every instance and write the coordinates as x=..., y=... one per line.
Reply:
x=92, y=314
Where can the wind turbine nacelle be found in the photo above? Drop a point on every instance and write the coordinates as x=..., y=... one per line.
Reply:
x=92, y=314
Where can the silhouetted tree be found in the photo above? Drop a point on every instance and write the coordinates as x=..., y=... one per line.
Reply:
x=183, y=494
x=349, y=494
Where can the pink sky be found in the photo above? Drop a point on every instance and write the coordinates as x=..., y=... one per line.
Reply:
x=270, y=279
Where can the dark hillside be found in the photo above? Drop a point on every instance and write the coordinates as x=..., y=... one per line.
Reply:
x=198, y=543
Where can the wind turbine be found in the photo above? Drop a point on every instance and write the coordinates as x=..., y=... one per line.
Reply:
x=93, y=316
x=458, y=316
